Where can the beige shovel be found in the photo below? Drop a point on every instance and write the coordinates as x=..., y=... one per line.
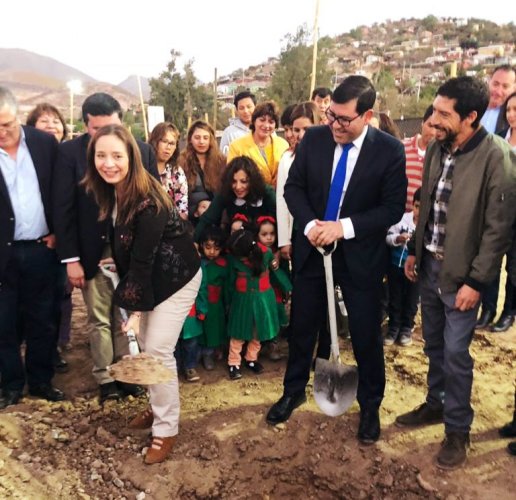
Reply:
x=136, y=368
x=335, y=384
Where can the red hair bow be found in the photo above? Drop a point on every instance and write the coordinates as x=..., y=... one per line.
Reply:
x=241, y=217
x=266, y=218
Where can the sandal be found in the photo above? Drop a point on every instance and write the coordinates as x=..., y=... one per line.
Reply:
x=159, y=449
x=142, y=421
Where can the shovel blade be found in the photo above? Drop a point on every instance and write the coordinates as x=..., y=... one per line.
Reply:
x=140, y=369
x=335, y=386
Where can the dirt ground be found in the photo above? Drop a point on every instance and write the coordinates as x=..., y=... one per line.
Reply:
x=225, y=449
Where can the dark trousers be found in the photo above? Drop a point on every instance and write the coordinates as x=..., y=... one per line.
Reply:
x=490, y=295
x=28, y=290
x=188, y=352
x=403, y=299
x=447, y=333
x=308, y=317
x=64, y=293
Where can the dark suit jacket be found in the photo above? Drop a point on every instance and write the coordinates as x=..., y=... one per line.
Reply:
x=374, y=199
x=501, y=124
x=43, y=150
x=78, y=231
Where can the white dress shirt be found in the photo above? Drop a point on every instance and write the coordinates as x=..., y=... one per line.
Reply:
x=347, y=226
x=22, y=184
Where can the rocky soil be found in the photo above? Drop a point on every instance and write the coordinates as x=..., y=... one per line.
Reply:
x=79, y=449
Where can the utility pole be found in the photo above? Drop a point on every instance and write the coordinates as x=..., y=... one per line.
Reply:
x=215, y=101
x=314, y=55
x=142, y=104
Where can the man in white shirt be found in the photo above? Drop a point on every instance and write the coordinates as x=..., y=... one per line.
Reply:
x=501, y=84
x=28, y=261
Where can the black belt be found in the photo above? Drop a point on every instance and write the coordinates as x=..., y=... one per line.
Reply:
x=29, y=242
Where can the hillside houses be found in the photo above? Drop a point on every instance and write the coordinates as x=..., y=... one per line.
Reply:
x=421, y=47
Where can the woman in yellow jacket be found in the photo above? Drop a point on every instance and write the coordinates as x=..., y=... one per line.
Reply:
x=262, y=145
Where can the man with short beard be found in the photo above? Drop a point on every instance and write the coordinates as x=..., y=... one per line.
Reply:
x=467, y=210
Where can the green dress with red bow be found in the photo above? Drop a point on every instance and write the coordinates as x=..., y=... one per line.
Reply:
x=253, y=312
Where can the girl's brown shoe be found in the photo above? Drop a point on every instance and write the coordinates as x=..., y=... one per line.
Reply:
x=159, y=449
x=143, y=420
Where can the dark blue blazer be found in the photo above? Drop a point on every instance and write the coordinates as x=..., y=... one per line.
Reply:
x=78, y=230
x=375, y=200
x=43, y=150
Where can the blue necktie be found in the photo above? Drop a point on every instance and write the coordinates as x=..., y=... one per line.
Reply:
x=337, y=185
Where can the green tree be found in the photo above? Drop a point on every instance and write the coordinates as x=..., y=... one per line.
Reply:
x=384, y=80
x=430, y=23
x=181, y=95
x=291, y=80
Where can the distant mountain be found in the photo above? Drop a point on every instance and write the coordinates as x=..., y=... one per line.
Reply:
x=131, y=85
x=20, y=60
x=34, y=78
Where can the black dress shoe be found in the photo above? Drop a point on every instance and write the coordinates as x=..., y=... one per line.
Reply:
x=508, y=430
x=60, y=364
x=511, y=448
x=254, y=366
x=282, y=409
x=131, y=389
x=503, y=324
x=9, y=398
x=485, y=319
x=369, y=427
x=111, y=391
x=46, y=391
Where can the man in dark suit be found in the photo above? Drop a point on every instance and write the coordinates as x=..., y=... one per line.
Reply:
x=28, y=261
x=83, y=241
x=501, y=85
x=370, y=199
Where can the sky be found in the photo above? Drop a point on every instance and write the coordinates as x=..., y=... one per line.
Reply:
x=112, y=39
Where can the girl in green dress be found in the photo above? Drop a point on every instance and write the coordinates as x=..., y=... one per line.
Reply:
x=266, y=235
x=215, y=268
x=253, y=315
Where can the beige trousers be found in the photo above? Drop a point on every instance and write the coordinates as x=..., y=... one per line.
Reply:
x=107, y=341
x=159, y=331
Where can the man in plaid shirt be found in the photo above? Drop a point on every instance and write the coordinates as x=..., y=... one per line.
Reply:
x=467, y=210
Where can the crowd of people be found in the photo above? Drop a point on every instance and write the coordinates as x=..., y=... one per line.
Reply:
x=211, y=244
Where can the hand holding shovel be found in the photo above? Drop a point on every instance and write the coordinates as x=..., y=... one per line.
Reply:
x=137, y=368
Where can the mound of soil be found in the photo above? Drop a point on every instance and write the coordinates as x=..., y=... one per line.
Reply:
x=79, y=449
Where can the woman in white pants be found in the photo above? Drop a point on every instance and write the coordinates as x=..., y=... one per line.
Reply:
x=156, y=260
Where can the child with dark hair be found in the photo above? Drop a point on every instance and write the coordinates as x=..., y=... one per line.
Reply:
x=266, y=235
x=403, y=294
x=253, y=315
x=215, y=269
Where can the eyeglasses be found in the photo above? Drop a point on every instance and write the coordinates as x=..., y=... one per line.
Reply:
x=7, y=127
x=166, y=143
x=341, y=120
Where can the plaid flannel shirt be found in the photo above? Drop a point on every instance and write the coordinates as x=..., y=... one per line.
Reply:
x=435, y=231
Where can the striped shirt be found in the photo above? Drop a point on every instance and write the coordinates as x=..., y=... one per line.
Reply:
x=414, y=168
